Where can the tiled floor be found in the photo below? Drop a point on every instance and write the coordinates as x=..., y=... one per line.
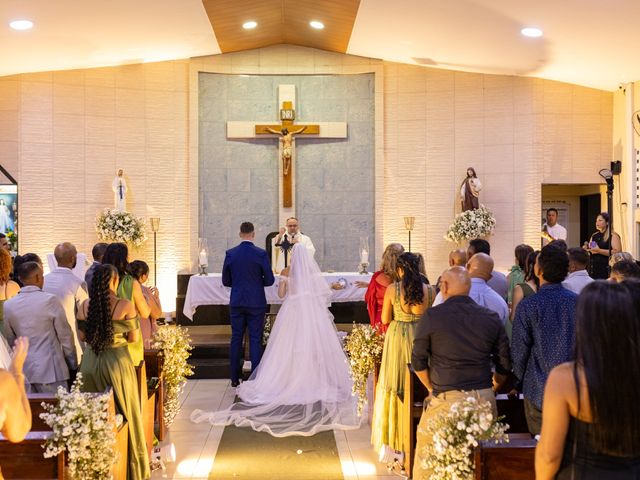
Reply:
x=196, y=444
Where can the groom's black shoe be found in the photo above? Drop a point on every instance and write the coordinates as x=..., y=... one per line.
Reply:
x=235, y=383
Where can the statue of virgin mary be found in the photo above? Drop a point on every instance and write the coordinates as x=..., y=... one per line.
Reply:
x=119, y=187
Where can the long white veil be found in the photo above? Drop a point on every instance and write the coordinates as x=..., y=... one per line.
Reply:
x=302, y=385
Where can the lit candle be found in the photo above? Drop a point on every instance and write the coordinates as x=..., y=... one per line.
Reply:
x=364, y=257
x=203, y=257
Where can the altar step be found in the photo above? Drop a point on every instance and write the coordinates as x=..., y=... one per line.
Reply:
x=210, y=354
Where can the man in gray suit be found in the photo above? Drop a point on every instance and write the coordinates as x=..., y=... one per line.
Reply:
x=39, y=316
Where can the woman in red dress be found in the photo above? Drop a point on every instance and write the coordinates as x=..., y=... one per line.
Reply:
x=379, y=283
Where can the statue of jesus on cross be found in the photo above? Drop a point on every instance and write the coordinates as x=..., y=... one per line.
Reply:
x=286, y=138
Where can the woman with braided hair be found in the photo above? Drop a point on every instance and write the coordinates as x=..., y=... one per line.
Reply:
x=403, y=304
x=111, y=324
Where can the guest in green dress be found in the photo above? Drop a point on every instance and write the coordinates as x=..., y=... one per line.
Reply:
x=516, y=275
x=112, y=324
x=129, y=289
x=522, y=290
x=403, y=304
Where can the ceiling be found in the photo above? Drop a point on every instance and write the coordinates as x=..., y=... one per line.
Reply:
x=586, y=42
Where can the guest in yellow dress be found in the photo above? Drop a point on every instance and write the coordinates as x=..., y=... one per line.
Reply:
x=112, y=324
x=404, y=302
x=129, y=289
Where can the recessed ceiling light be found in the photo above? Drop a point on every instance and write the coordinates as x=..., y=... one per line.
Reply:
x=21, y=24
x=249, y=25
x=316, y=24
x=533, y=32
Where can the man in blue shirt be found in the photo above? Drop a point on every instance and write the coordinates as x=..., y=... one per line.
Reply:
x=543, y=331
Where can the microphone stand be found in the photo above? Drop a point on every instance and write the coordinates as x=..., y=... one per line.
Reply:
x=285, y=245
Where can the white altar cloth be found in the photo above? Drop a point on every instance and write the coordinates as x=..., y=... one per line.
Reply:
x=208, y=290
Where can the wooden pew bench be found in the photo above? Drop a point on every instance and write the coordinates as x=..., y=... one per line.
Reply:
x=154, y=362
x=506, y=461
x=147, y=405
x=412, y=405
x=25, y=460
x=512, y=407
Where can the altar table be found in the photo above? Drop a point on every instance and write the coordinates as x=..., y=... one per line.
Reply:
x=208, y=290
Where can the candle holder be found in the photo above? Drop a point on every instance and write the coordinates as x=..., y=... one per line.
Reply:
x=409, y=223
x=364, y=255
x=203, y=256
x=155, y=226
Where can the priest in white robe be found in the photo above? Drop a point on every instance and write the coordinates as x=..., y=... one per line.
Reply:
x=293, y=235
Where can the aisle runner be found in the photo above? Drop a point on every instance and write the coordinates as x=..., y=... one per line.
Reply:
x=244, y=454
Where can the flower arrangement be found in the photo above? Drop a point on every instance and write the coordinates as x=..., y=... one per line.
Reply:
x=470, y=224
x=455, y=434
x=118, y=226
x=266, y=332
x=364, y=347
x=81, y=427
x=176, y=347
x=12, y=238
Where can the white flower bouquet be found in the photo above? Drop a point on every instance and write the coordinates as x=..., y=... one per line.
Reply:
x=455, y=434
x=82, y=428
x=176, y=347
x=476, y=223
x=364, y=349
x=118, y=226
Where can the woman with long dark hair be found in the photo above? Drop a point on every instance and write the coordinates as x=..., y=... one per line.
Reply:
x=528, y=287
x=404, y=302
x=517, y=273
x=590, y=414
x=602, y=243
x=111, y=325
x=129, y=289
x=140, y=271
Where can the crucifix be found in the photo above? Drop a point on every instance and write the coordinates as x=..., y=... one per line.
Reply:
x=287, y=131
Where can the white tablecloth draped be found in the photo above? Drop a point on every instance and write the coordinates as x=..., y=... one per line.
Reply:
x=208, y=290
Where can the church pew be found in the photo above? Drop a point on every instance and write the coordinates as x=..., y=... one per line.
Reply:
x=506, y=461
x=147, y=405
x=512, y=408
x=25, y=459
x=412, y=405
x=154, y=362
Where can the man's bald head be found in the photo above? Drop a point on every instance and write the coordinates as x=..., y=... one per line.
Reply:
x=458, y=258
x=66, y=255
x=480, y=266
x=455, y=281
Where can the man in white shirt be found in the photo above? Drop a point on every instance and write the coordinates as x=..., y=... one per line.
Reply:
x=480, y=267
x=578, y=277
x=70, y=290
x=553, y=228
x=293, y=235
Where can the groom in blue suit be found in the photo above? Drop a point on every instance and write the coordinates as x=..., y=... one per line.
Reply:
x=247, y=271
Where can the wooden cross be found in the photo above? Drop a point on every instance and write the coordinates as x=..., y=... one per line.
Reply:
x=286, y=98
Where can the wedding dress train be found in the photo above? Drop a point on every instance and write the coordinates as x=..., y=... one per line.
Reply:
x=302, y=385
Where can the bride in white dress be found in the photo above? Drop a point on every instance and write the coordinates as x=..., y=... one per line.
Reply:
x=302, y=385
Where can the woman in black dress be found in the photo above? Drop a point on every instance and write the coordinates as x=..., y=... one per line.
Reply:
x=602, y=243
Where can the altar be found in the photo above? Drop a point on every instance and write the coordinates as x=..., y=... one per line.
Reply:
x=208, y=290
